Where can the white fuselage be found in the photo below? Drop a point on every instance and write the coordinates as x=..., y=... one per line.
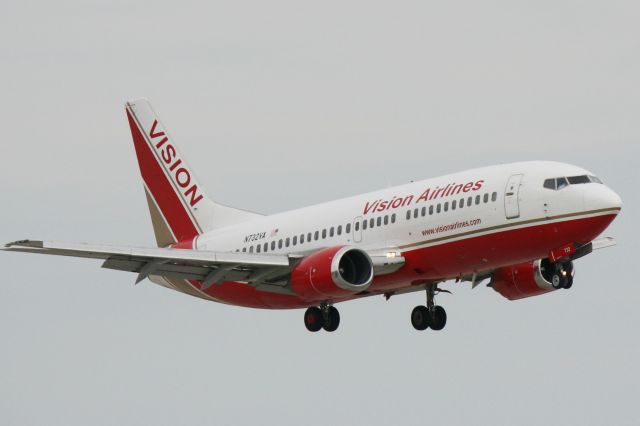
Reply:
x=498, y=206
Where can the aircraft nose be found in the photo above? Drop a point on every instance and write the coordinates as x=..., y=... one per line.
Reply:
x=613, y=199
x=599, y=197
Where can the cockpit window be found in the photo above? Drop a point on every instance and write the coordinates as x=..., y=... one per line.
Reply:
x=562, y=182
x=550, y=184
x=576, y=180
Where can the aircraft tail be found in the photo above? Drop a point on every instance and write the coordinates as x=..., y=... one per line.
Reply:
x=180, y=209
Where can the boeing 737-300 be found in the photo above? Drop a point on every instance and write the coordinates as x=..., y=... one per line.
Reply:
x=519, y=226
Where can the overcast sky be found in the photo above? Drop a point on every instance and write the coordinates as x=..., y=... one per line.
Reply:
x=283, y=104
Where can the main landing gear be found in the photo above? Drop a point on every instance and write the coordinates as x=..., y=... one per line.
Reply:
x=430, y=316
x=325, y=317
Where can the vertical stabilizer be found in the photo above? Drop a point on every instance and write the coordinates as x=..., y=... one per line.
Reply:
x=180, y=209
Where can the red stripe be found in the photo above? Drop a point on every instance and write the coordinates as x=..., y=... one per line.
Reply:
x=440, y=262
x=160, y=187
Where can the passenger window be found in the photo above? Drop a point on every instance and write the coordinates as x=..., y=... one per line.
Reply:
x=301, y=238
x=453, y=204
x=265, y=247
x=477, y=199
x=470, y=202
x=430, y=210
x=494, y=197
x=423, y=212
x=386, y=219
x=408, y=214
x=379, y=221
x=550, y=184
x=331, y=231
x=461, y=204
x=561, y=183
x=446, y=206
x=251, y=249
x=324, y=234
x=371, y=223
x=279, y=244
x=415, y=213
x=309, y=237
x=287, y=242
x=295, y=240
x=348, y=228
x=316, y=235
x=439, y=208
x=244, y=249
x=273, y=245
x=364, y=225
x=357, y=226
x=258, y=247
x=393, y=218
x=486, y=198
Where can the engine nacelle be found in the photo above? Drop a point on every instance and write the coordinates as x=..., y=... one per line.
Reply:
x=529, y=279
x=332, y=272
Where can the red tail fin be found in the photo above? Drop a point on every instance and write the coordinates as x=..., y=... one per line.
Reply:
x=180, y=210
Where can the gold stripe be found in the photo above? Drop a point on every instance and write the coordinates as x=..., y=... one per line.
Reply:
x=161, y=230
x=510, y=225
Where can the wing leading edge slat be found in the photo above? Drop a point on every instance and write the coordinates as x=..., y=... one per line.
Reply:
x=207, y=266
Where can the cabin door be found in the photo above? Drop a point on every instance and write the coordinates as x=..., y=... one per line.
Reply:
x=512, y=197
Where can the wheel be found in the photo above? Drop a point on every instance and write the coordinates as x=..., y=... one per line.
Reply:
x=313, y=319
x=438, y=318
x=556, y=281
x=420, y=318
x=569, y=283
x=333, y=319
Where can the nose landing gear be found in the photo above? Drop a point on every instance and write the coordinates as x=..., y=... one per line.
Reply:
x=430, y=316
x=563, y=276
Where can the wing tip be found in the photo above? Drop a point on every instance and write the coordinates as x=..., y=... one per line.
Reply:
x=24, y=243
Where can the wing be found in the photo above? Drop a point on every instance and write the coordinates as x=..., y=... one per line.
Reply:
x=267, y=272
x=260, y=270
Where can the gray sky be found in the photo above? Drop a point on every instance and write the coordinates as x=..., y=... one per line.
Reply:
x=282, y=104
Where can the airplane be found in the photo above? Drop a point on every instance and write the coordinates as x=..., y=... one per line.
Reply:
x=520, y=226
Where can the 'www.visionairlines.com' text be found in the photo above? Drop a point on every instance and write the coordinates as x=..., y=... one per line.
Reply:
x=451, y=227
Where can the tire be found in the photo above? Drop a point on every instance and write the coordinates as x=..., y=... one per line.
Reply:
x=333, y=320
x=569, y=283
x=313, y=319
x=420, y=318
x=438, y=318
x=557, y=281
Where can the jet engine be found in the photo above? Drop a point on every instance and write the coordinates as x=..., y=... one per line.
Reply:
x=332, y=272
x=532, y=278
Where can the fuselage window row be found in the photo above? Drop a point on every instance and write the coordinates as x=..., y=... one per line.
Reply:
x=332, y=231
x=453, y=205
x=376, y=222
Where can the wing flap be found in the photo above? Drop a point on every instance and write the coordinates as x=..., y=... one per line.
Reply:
x=194, y=257
x=207, y=266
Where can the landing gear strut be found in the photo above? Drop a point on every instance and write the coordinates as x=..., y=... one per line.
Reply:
x=324, y=317
x=423, y=317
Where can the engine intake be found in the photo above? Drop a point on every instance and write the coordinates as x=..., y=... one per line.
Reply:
x=332, y=272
